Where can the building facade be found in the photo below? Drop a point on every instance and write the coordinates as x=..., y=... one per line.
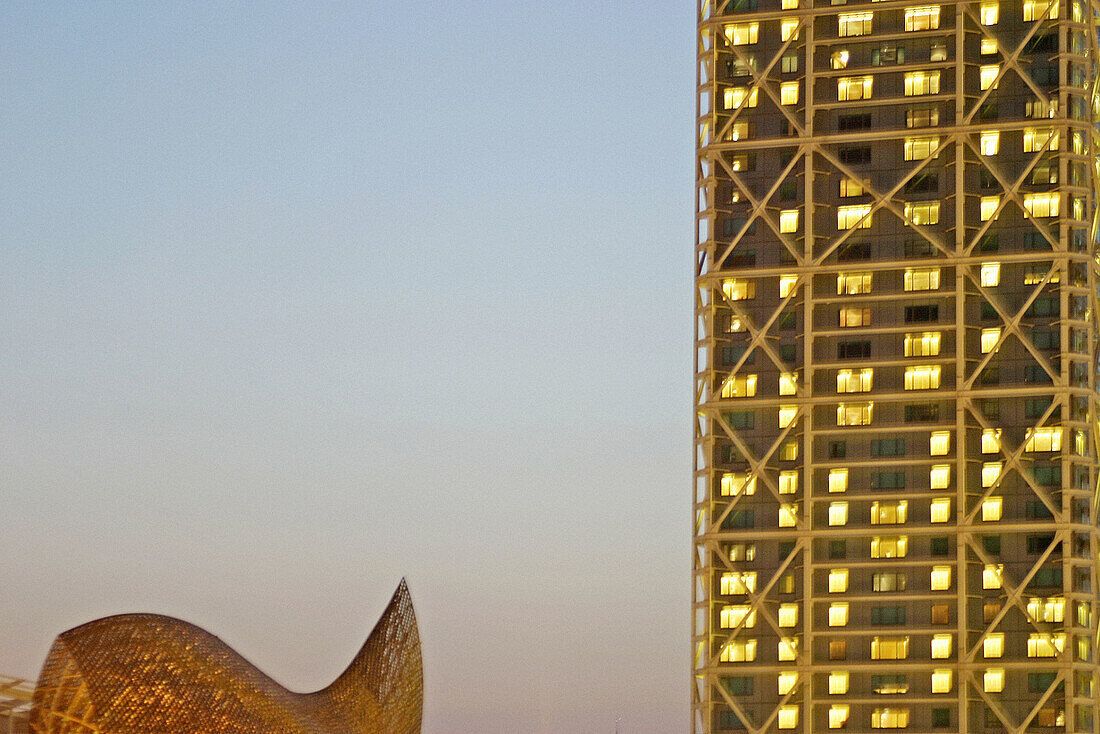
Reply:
x=896, y=315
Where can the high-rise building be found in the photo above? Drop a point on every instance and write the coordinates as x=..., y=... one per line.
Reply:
x=896, y=431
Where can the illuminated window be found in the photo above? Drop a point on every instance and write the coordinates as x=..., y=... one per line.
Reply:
x=890, y=718
x=789, y=4
x=854, y=380
x=922, y=82
x=788, y=93
x=941, y=646
x=787, y=414
x=838, y=715
x=939, y=476
x=838, y=614
x=742, y=34
x=889, y=648
x=788, y=482
x=788, y=451
x=788, y=27
x=788, y=717
x=989, y=339
x=854, y=414
x=854, y=316
x=788, y=383
x=734, y=615
x=941, y=578
x=989, y=13
x=916, y=149
x=990, y=274
x=739, y=582
x=991, y=438
x=1045, y=645
x=853, y=284
x=787, y=681
x=926, y=344
x=991, y=506
x=854, y=24
x=922, y=378
x=994, y=680
x=788, y=615
x=990, y=142
x=736, y=96
x=788, y=220
x=739, y=386
x=991, y=472
x=1040, y=10
x=739, y=651
x=991, y=575
x=738, y=289
x=889, y=546
x=889, y=513
x=922, y=19
x=1043, y=205
x=987, y=207
x=994, y=645
x=923, y=212
x=838, y=580
x=940, y=443
x=1040, y=138
x=921, y=279
x=853, y=88
x=856, y=216
x=739, y=131
x=788, y=649
x=742, y=552
x=1052, y=609
x=838, y=682
x=941, y=509
x=738, y=483
x=987, y=76
x=838, y=480
x=838, y=513
x=788, y=516
x=839, y=59
x=788, y=282
x=941, y=681
x=1043, y=439
x=989, y=46
x=850, y=187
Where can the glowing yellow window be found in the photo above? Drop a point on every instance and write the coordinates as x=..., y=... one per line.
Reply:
x=788, y=516
x=742, y=582
x=732, y=616
x=739, y=131
x=926, y=344
x=987, y=76
x=853, y=88
x=941, y=578
x=838, y=682
x=838, y=513
x=889, y=648
x=940, y=443
x=838, y=480
x=838, y=716
x=1040, y=138
x=738, y=289
x=787, y=282
x=921, y=82
x=992, y=506
x=838, y=580
x=738, y=483
x=923, y=212
x=788, y=717
x=839, y=59
x=990, y=274
x=1043, y=439
x=838, y=614
x=889, y=546
x=788, y=28
x=991, y=472
x=990, y=142
x=989, y=46
x=739, y=386
x=890, y=718
x=788, y=615
x=854, y=380
x=989, y=13
x=788, y=649
x=787, y=414
x=889, y=513
x=939, y=476
x=921, y=279
x=856, y=216
x=788, y=220
x=737, y=96
x=1052, y=609
x=991, y=575
x=941, y=646
x=987, y=208
x=854, y=24
x=850, y=187
x=789, y=4
x=853, y=284
x=787, y=681
x=994, y=645
x=991, y=439
x=919, y=148
x=1040, y=10
x=989, y=339
x=742, y=34
x=788, y=93
x=994, y=680
x=788, y=451
x=739, y=651
x=743, y=552
x=922, y=378
x=788, y=482
x=1043, y=205
x=1045, y=645
x=922, y=19
x=852, y=316
x=941, y=509
x=854, y=414
x=941, y=681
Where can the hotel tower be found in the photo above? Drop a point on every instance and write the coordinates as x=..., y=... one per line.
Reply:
x=896, y=385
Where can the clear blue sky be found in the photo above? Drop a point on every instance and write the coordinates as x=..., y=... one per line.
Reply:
x=301, y=298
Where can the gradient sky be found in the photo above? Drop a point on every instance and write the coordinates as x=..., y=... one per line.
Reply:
x=299, y=299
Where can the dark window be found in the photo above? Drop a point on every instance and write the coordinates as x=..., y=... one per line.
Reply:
x=992, y=544
x=730, y=355
x=919, y=248
x=941, y=718
x=922, y=412
x=986, y=179
x=888, y=447
x=1048, y=475
x=739, y=519
x=788, y=352
x=1045, y=42
x=744, y=420
x=888, y=480
x=887, y=615
x=1044, y=306
x=1044, y=74
x=1036, y=544
x=788, y=190
x=787, y=320
x=731, y=227
x=990, y=376
x=989, y=242
x=742, y=259
x=1046, y=577
x=889, y=683
x=838, y=549
x=1036, y=407
x=1037, y=510
x=1040, y=682
x=853, y=350
x=923, y=183
x=838, y=650
x=988, y=312
x=941, y=614
x=988, y=111
x=1045, y=339
x=854, y=251
x=838, y=449
x=854, y=154
x=853, y=122
x=922, y=314
x=730, y=721
x=1035, y=374
x=786, y=548
x=940, y=546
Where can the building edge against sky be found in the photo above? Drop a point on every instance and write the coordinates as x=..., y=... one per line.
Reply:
x=896, y=315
